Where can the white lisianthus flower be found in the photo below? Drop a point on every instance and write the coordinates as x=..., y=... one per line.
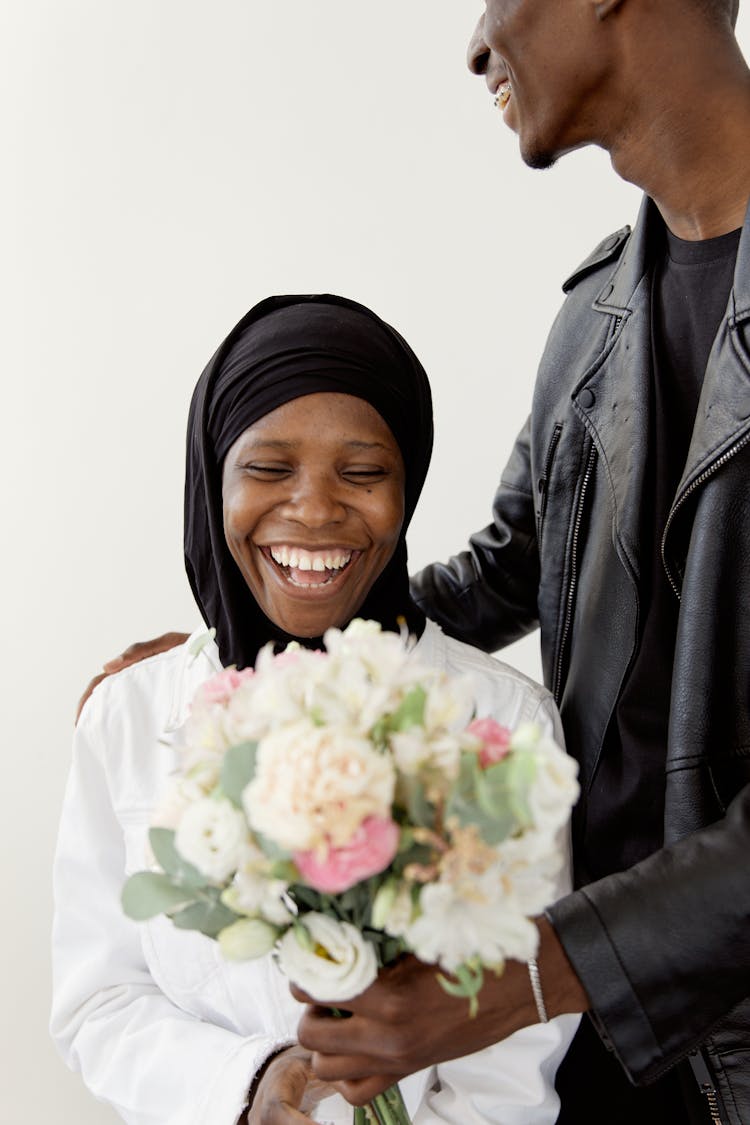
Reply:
x=458, y=922
x=449, y=705
x=314, y=786
x=345, y=965
x=185, y=791
x=393, y=909
x=246, y=939
x=254, y=893
x=410, y=749
x=212, y=836
x=350, y=698
x=526, y=870
x=555, y=787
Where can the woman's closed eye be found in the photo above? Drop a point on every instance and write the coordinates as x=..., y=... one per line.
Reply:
x=265, y=471
x=364, y=474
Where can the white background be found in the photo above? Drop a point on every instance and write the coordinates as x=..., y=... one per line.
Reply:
x=169, y=163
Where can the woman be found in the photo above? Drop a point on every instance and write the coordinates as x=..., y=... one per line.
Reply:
x=309, y=438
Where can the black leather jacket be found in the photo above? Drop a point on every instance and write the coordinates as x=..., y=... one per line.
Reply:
x=663, y=949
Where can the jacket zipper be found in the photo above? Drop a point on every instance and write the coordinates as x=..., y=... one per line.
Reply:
x=699, y=480
x=707, y=1088
x=543, y=485
x=573, y=580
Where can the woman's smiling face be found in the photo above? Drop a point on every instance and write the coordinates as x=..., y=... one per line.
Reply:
x=313, y=500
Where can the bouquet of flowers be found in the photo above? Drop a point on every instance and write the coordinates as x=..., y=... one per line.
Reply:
x=341, y=807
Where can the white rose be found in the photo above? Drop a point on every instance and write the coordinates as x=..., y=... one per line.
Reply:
x=212, y=836
x=313, y=786
x=347, y=966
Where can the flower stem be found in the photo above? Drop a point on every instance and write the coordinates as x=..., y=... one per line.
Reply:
x=388, y=1108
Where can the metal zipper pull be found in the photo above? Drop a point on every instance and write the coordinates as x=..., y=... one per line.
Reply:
x=706, y=1084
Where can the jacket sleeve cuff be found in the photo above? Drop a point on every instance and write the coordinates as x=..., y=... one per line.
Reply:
x=616, y=1011
x=227, y=1096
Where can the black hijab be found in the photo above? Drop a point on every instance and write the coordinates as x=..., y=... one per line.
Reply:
x=284, y=348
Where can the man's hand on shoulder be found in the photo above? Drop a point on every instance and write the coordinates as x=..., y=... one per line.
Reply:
x=132, y=655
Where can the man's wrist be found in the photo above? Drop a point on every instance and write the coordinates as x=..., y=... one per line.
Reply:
x=561, y=989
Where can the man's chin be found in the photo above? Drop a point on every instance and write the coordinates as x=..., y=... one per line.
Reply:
x=539, y=158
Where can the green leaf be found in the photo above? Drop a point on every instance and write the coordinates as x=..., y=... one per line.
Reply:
x=270, y=849
x=411, y=792
x=148, y=893
x=495, y=799
x=238, y=770
x=209, y=916
x=284, y=869
x=170, y=860
x=411, y=711
x=468, y=984
x=306, y=896
x=503, y=790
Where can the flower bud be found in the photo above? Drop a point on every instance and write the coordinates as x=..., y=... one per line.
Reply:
x=247, y=938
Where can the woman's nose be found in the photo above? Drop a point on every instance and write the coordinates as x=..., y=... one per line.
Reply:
x=314, y=503
x=478, y=53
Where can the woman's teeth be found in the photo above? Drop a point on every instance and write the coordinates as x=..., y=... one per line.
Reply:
x=502, y=97
x=301, y=568
x=298, y=559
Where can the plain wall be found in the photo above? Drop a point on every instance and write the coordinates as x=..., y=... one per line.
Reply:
x=169, y=163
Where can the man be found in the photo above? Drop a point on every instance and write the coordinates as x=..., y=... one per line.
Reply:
x=622, y=528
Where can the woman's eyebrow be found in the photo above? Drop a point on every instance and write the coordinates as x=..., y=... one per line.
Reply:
x=279, y=443
x=366, y=445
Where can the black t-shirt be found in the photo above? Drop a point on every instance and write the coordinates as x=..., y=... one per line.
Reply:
x=691, y=282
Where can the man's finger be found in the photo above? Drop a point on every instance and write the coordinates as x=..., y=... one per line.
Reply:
x=140, y=650
x=87, y=692
x=363, y=1090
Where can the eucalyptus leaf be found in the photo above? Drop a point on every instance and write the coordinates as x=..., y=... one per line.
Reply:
x=148, y=893
x=306, y=896
x=270, y=850
x=410, y=713
x=284, y=869
x=209, y=916
x=504, y=789
x=238, y=770
x=468, y=984
x=170, y=860
x=412, y=793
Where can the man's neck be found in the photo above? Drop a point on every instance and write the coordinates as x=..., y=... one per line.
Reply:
x=687, y=145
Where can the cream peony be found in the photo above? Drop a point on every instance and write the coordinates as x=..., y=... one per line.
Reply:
x=212, y=836
x=336, y=964
x=314, y=786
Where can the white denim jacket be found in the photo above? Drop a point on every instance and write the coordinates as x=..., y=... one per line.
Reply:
x=161, y=1027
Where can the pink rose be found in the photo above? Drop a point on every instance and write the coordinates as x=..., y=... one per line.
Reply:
x=495, y=739
x=370, y=850
x=220, y=688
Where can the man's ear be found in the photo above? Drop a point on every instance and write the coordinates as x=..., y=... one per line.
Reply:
x=604, y=8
